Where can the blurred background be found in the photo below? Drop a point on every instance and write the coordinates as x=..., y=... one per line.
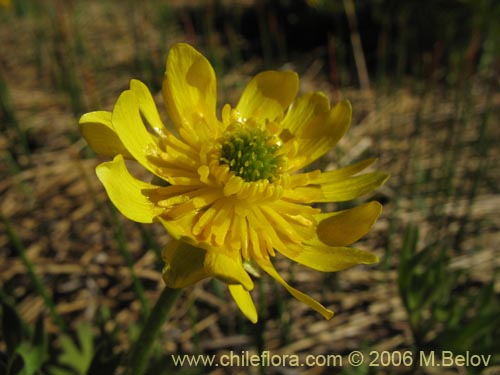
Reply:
x=78, y=279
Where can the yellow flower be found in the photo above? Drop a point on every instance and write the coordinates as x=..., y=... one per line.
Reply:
x=230, y=191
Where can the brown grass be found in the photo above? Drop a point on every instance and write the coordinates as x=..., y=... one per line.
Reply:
x=67, y=235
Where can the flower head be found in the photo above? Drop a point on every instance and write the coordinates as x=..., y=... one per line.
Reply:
x=232, y=192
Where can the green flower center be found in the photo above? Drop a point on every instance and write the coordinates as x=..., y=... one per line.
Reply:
x=251, y=154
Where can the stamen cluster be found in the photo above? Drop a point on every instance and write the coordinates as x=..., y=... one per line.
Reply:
x=251, y=154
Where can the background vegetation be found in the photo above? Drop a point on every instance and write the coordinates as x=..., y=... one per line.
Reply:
x=78, y=279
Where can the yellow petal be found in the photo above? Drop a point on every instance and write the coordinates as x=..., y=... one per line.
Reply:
x=269, y=268
x=316, y=126
x=304, y=109
x=183, y=264
x=180, y=229
x=343, y=228
x=335, y=186
x=329, y=259
x=147, y=106
x=342, y=173
x=127, y=193
x=98, y=131
x=352, y=187
x=228, y=269
x=268, y=95
x=189, y=87
x=132, y=132
x=244, y=301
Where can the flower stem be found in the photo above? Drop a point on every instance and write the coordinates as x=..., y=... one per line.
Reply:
x=141, y=350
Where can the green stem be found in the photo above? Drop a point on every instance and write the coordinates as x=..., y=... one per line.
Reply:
x=141, y=350
x=30, y=269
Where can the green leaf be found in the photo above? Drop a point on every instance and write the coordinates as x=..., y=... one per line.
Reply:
x=34, y=355
x=30, y=358
x=78, y=356
x=55, y=370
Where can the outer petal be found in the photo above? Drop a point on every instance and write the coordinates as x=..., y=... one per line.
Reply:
x=129, y=126
x=268, y=95
x=98, y=131
x=343, y=228
x=336, y=191
x=147, y=106
x=228, y=269
x=189, y=87
x=269, y=268
x=180, y=229
x=127, y=193
x=330, y=259
x=244, y=301
x=342, y=173
x=353, y=187
x=316, y=126
x=183, y=264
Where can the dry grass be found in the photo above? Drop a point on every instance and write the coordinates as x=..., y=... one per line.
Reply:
x=58, y=208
